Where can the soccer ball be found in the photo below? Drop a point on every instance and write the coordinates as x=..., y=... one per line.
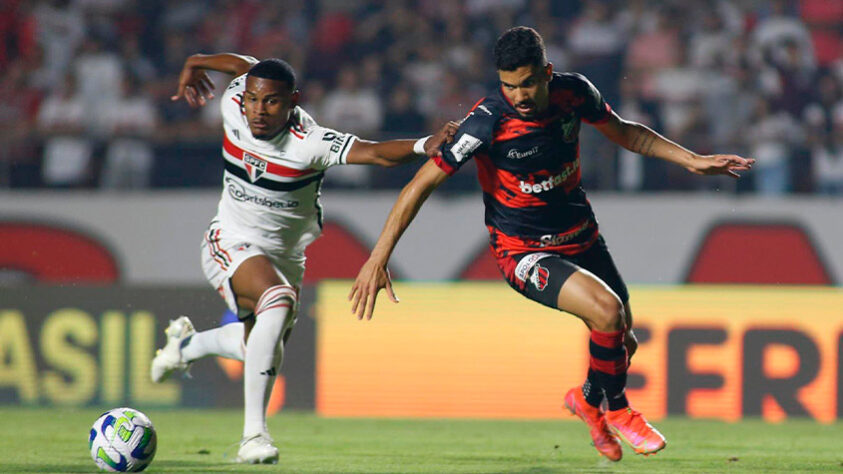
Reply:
x=122, y=440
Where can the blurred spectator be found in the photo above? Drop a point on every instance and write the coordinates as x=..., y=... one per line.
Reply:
x=402, y=117
x=135, y=61
x=426, y=72
x=780, y=27
x=460, y=50
x=63, y=111
x=18, y=103
x=771, y=135
x=694, y=70
x=634, y=171
x=99, y=75
x=330, y=34
x=453, y=104
x=795, y=81
x=827, y=158
x=485, y=7
x=352, y=107
x=709, y=46
x=650, y=52
x=828, y=95
x=729, y=101
x=68, y=151
x=61, y=29
x=132, y=120
x=313, y=99
x=554, y=45
x=596, y=41
x=823, y=19
x=17, y=31
x=355, y=109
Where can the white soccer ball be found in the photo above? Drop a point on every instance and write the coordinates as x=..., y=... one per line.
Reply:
x=122, y=440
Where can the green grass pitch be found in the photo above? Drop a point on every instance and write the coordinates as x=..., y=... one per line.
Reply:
x=55, y=440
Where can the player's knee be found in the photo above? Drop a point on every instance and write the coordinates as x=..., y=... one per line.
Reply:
x=608, y=314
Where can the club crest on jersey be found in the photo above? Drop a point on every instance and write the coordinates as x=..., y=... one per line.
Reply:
x=540, y=277
x=254, y=166
x=570, y=128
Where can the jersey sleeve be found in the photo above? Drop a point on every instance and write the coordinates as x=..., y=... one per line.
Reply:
x=326, y=147
x=473, y=135
x=594, y=109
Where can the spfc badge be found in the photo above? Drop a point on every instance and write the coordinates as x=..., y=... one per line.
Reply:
x=254, y=166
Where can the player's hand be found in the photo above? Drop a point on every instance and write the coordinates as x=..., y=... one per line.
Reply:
x=195, y=86
x=720, y=164
x=372, y=277
x=441, y=137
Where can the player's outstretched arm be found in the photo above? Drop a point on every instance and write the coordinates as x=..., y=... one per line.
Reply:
x=196, y=87
x=373, y=275
x=641, y=139
x=395, y=152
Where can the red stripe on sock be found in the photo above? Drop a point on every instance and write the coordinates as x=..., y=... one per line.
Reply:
x=611, y=367
x=610, y=340
x=273, y=292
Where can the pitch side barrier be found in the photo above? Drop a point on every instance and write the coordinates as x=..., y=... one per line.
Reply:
x=92, y=345
x=482, y=350
x=447, y=350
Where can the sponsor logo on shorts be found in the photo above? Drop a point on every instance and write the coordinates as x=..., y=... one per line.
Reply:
x=254, y=166
x=239, y=193
x=465, y=146
x=526, y=264
x=552, y=240
x=551, y=182
x=540, y=277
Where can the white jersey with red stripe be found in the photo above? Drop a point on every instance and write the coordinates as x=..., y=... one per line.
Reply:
x=271, y=187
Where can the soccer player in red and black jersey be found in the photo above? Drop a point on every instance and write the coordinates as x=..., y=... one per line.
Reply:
x=524, y=138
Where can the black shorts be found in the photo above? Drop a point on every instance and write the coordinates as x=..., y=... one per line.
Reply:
x=540, y=275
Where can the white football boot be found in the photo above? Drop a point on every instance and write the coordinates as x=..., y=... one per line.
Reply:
x=257, y=449
x=168, y=359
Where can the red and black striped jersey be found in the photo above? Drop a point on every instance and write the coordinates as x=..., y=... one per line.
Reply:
x=529, y=169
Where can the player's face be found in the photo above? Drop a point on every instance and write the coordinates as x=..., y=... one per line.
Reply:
x=268, y=104
x=526, y=88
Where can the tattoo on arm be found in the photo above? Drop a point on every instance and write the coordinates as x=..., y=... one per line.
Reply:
x=643, y=142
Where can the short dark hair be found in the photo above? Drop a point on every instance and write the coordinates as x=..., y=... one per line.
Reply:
x=275, y=69
x=519, y=46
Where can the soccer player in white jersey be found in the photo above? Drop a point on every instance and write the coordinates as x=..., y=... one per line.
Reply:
x=275, y=156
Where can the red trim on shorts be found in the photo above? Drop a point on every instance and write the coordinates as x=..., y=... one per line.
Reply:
x=215, y=251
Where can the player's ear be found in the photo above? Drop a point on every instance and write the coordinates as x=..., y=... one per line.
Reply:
x=548, y=70
x=294, y=98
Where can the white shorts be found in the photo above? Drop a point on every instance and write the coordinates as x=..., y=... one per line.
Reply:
x=223, y=252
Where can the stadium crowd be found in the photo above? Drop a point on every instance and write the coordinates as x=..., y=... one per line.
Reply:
x=85, y=85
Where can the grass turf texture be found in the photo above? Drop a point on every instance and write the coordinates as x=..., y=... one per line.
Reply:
x=55, y=440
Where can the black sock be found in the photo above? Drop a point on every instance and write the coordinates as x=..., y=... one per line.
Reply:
x=591, y=389
x=609, y=363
